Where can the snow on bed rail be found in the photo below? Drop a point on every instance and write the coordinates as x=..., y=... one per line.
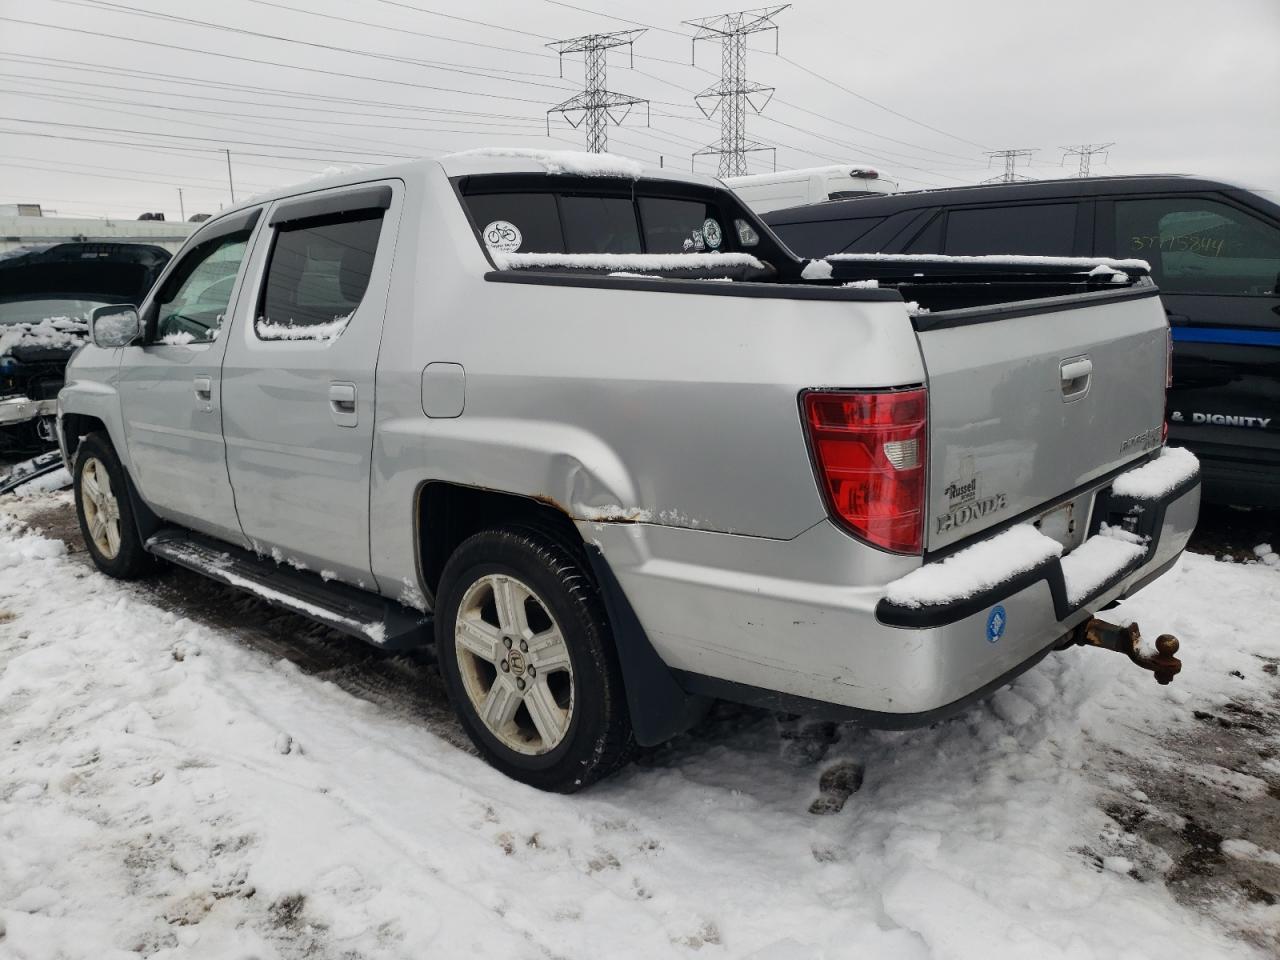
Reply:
x=567, y=162
x=1016, y=260
x=628, y=262
x=1153, y=480
x=974, y=569
x=54, y=333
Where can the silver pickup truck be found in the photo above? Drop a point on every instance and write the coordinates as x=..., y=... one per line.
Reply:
x=593, y=430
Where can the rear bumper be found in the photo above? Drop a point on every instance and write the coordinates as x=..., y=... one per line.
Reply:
x=777, y=623
x=22, y=409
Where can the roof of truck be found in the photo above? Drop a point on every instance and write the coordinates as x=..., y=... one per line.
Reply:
x=488, y=160
x=1023, y=190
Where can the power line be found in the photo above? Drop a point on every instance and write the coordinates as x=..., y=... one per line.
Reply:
x=1086, y=151
x=596, y=106
x=734, y=93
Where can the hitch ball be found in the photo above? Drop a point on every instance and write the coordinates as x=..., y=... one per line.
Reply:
x=1128, y=640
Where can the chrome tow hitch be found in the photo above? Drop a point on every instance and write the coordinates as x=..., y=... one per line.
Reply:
x=1128, y=640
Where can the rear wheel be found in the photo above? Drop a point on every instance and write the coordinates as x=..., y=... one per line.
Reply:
x=105, y=513
x=529, y=663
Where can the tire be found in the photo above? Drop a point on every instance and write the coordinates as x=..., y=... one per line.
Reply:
x=106, y=512
x=556, y=712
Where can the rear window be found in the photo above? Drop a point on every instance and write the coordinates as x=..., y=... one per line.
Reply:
x=1044, y=229
x=817, y=238
x=580, y=222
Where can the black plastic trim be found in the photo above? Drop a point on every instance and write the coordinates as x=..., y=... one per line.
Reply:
x=660, y=707
x=768, y=291
x=377, y=197
x=822, y=710
x=225, y=226
x=966, y=316
x=1150, y=523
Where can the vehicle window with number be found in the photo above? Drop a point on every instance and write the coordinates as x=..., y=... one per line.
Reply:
x=194, y=303
x=1196, y=245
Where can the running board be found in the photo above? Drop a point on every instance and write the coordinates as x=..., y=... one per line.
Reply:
x=374, y=619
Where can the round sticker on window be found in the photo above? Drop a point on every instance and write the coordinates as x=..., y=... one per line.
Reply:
x=711, y=233
x=502, y=235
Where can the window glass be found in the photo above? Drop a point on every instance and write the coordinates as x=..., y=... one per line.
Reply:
x=817, y=238
x=533, y=216
x=599, y=225
x=1200, y=246
x=928, y=240
x=318, y=272
x=682, y=226
x=1044, y=229
x=196, y=296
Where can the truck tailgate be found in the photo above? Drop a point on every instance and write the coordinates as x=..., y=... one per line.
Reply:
x=1030, y=400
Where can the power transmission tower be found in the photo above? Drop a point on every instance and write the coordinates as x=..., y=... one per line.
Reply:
x=1085, y=152
x=596, y=106
x=734, y=93
x=1010, y=158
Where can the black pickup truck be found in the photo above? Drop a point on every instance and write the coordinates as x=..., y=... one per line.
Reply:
x=46, y=294
x=1214, y=251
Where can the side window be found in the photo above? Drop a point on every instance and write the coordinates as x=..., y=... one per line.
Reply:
x=599, y=224
x=817, y=238
x=1043, y=229
x=928, y=240
x=317, y=274
x=197, y=294
x=1196, y=245
x=517, y=222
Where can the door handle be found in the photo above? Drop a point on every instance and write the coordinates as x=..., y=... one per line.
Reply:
x=1075, y=374
x=204, y=388
x=342, y=403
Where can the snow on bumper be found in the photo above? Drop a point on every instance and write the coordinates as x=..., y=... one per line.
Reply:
x=804, y=624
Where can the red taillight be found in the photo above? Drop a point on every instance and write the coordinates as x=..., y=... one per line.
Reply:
x=869, y=451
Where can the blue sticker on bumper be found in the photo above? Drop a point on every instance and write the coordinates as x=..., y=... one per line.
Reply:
x=996, y=623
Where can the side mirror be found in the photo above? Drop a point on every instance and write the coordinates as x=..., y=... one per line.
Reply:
x=114, y=326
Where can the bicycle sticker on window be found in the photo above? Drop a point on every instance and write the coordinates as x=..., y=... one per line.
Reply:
x=502, y=235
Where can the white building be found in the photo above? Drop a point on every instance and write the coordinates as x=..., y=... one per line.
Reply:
x=19, y=231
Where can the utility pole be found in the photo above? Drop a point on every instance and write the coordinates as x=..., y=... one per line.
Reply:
x=1085, y=152
x=596, y=106
x=230, y=182
x=182, y=210
x=734, y=93
x=1010, y=158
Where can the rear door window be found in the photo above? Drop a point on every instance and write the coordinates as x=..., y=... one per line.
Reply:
x=317, y=275
x=817, y=238
x=1197, y=245
x=1042, y=229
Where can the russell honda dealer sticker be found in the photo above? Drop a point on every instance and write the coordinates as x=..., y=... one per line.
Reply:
x=502, y=235
x=996, y=624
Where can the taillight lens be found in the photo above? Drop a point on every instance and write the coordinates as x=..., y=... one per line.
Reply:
x=869, y=452
x=1168, y=382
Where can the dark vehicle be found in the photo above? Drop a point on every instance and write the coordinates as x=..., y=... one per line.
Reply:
x=1214, y=250
x=46, y=294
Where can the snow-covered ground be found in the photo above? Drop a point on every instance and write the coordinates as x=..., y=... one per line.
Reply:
x=170, y=788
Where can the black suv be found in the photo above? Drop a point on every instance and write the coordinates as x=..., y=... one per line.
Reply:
x=1214, y=250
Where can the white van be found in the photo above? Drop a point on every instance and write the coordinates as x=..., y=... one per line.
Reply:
x=790, y=188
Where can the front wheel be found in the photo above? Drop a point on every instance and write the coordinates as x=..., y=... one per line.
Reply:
x=529, y=663
x=105, y=512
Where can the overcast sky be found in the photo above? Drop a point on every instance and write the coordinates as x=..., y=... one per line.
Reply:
x=92, y=125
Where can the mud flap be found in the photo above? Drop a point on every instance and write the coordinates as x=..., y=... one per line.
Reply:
x=660, y=707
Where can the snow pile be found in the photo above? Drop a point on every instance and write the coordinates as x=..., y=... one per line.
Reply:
x=865, y=285
x=1002, y=259
x=974, y=569
x=816, y=270
x=59, y=479
x=178, y=338
x=1266, y=555
x=567, y=162
x=628, y=262
x=172, y=789
x=1115, y=276
x=1098, y=560
x=1153, y=480
x=330, y=330
x=613, y=512
x=53, y=333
